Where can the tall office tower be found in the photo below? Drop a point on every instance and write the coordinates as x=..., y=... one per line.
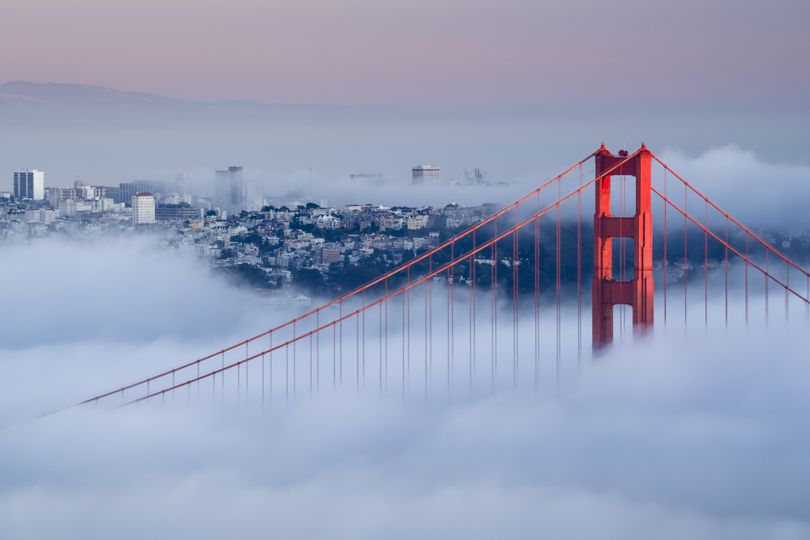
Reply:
x=182, y=183
x=29, y=184
x=230, y=189
x=143, y=208
x=127, y=190
x=422, y=174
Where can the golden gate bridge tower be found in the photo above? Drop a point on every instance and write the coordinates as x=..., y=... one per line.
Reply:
x=608, y=291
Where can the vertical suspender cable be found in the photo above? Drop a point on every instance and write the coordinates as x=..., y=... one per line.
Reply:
x=515, y=280
x=746, y=279
x=450, y=316
x=404, y=333
x=385, y=308
x=787, y=300
x=537, y=295
x=579, y=269
x=666, y=264
x=287, y=374
x=725, y=270
x=706, y=270
x=685, y=258
x=380, y=335
x=430, y=318
x=767, y=296
x=425, y=338
x=408, y=331
x=295, y=347
x=494, y=314
x=472, y=316
x=317, y=351
x=621, y=250
x=559, y=252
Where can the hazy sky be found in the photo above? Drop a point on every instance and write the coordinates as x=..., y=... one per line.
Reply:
x=417, y=51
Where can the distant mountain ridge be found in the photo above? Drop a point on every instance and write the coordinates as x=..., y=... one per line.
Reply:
x=59, y=105
x=75, y=93
x=26, y=92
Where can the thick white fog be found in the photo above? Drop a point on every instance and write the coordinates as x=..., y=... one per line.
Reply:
x=667, y=438
x=760, y=192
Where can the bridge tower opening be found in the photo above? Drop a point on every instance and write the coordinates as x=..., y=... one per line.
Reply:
x=608, y=291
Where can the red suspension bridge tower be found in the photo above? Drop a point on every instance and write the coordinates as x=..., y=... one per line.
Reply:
x=637, y=292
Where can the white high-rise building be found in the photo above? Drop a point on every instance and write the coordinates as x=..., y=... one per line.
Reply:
x=29, y=184
x=143, y=208
x=230, y=189
x=422, y=174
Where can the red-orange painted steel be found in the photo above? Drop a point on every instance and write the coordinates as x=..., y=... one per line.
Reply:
x=639, y=291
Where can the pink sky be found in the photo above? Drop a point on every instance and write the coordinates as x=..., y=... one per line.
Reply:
x=417, y=51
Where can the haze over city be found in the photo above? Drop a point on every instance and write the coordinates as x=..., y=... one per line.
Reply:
x=336, y=269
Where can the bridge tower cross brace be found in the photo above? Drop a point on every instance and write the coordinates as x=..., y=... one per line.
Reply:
x=608, y=291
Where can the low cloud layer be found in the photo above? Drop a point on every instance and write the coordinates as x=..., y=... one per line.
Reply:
x=659, y=440
x=668, y=438
x=760, y=193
